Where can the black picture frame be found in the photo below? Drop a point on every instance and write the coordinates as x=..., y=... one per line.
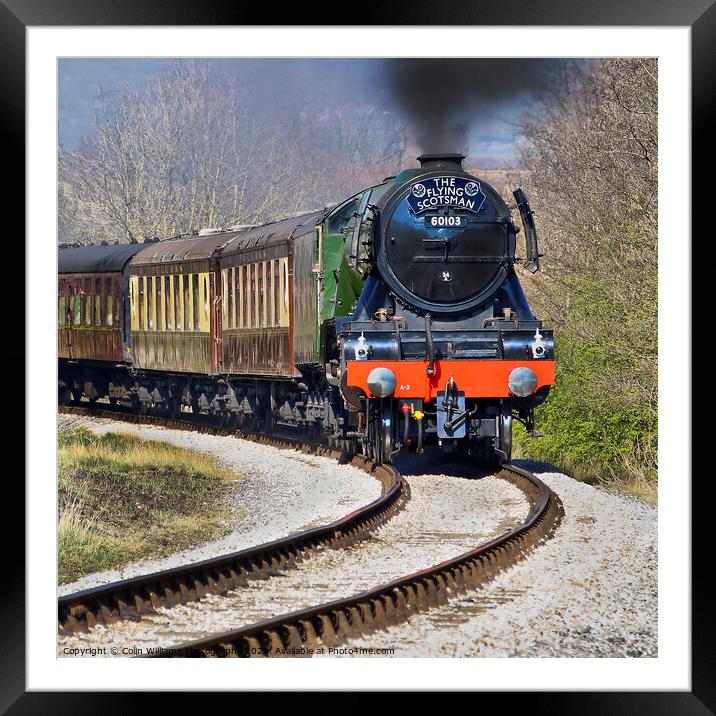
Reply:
x=17, y=15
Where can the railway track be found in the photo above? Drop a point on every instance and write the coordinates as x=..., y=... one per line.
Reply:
x=301, y=632
x=130, y=598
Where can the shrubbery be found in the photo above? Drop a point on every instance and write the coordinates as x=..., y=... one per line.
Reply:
x=591, y=170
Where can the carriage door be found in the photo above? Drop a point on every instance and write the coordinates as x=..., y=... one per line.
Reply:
x=74, y=314
x=305, y=297
x=216, y=327
x=64, y=302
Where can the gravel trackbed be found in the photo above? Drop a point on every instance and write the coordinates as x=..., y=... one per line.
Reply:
x=591, y=591
x=277, y=492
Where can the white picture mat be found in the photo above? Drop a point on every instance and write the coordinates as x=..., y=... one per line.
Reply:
x=671, y=670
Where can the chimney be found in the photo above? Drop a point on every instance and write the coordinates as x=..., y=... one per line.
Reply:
x=441, y=162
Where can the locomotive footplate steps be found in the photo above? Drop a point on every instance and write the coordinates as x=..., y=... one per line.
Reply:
x=336, y=622
x=130, y=598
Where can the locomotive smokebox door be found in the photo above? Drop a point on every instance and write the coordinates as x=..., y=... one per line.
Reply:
x=452, y=417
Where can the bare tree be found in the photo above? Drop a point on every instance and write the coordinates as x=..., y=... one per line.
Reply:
x=195, y=147
x=590, y=156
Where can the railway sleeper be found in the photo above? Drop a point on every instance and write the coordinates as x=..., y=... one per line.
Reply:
x=149, y=597
x=338, y=623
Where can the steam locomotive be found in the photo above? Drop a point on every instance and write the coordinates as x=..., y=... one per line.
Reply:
x=392, y=321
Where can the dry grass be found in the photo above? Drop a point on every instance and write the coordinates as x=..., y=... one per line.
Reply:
x=631, y=473
x=122, y=498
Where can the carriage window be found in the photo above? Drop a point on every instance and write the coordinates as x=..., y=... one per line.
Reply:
x=255, y=296
x=286, y=300
x=187, y=303
x=117, y=291
x=239, y=298
x=195, y=293
x=97, y=302
x=226, y=297
x=177, y=303
x=269, y=294
x=158, y=283
x=109, y=300
x=276, y=265
x=141, y=303
x=247, y=296
x=133, y=302
x=168, y=305
x=207, y=297
x=150, y=303
x=259, y=295
x=243, y=306
x=262, y=303
x=238, y=302
x=88, y=302
x=230, y=305
x=116, y=301
x=230, y=298
x=77, y=312
x=62, y=310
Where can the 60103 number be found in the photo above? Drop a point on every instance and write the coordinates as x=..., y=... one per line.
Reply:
x=445, y=220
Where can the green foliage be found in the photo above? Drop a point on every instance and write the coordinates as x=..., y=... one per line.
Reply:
x=590, y=154
x=600, y=421
x=586, y=431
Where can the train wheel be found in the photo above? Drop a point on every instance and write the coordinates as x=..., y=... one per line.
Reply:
x=381, y=432
x=373, y=442
x=387, y=431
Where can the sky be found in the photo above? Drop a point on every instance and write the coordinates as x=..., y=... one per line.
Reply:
x=492, y=139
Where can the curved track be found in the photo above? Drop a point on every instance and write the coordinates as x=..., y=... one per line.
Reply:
x=130, y=598
x=300, y=633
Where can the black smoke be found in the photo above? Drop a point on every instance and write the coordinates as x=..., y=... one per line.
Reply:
x=443, y=99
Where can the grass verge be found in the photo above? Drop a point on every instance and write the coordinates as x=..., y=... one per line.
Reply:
x=121, y=498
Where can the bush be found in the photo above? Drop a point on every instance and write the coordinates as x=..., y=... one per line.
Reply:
x=591, y=170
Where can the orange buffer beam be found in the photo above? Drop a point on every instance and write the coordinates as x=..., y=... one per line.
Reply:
x=478, y=378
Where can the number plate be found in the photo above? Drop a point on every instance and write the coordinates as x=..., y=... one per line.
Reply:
x=440, y=221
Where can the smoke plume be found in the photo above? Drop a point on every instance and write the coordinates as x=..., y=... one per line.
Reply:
x=443, y=99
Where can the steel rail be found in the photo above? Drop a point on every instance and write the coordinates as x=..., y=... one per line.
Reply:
x=130, y=598
x=301, y=632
